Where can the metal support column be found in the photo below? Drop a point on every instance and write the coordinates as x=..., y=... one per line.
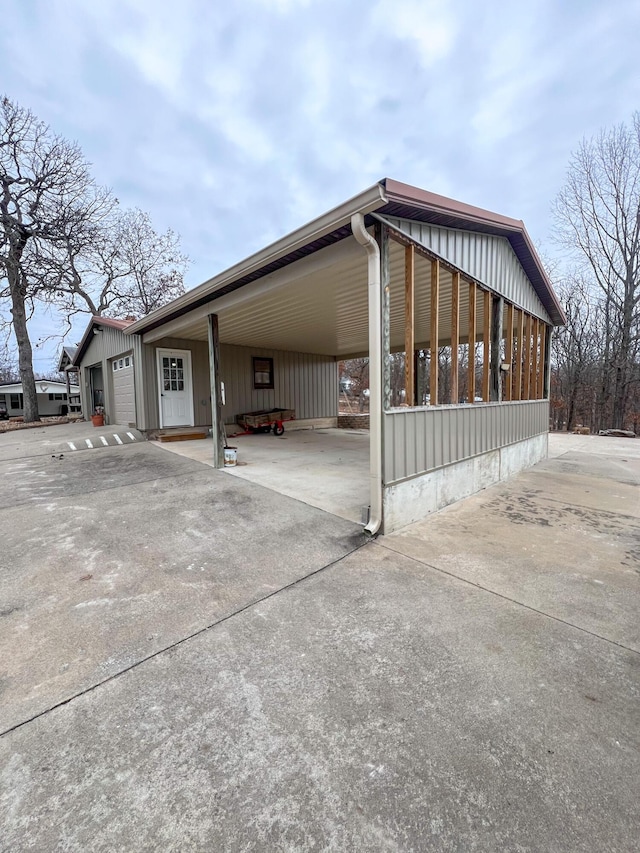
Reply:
x=216, y=392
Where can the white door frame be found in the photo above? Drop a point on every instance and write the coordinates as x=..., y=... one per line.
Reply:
x=186, y=354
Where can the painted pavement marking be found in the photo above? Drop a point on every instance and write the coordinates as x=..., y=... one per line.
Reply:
x=117, y=438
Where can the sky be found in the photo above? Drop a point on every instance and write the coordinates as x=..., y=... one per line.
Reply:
x=235, y=123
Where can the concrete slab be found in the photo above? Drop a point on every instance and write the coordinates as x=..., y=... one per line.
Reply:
x=562, y=537
x=378, y=706
x=220, y=682
x=325, y=468
x=111, y=555
x=43, y=441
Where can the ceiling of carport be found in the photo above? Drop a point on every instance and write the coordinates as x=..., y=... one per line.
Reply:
x=326, y=311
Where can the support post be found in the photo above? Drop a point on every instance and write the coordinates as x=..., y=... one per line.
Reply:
x=216, y=392
x=534, y=359
x=435, y=309
x=486, y=343
x=455, y=334
x=508, y=355
x=526, y=394
x=409, y=326
x=518, y=376
x=546, y=387
x=472, y=343
x=543, y=361
x=495, y=384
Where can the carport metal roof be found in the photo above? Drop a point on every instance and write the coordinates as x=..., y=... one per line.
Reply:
x=308, y=290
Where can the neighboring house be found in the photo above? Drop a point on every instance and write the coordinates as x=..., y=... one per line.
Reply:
x=104, y=358
x=66, y=366
x=53, y=398
x=395, y=269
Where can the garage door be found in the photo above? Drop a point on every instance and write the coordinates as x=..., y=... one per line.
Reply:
x=123, y=390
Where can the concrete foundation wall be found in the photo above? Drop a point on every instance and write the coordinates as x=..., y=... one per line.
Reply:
x=413, y=499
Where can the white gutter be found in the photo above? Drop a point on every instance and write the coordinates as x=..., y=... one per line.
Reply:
x=375, y=372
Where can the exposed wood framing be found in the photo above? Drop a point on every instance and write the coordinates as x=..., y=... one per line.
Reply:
x=542, y=365
x=495, y=384
x=547, y=362
x=455, y=333
x=486, y=345
x=508, y=353
x=472, y=343
x=519, y=357
x=526, y=392
x=435, y=311
x=534, y=359
x=409, y=325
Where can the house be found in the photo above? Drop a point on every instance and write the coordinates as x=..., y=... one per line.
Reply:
x=54, y=398
x=66, y=366
x=394, y=269
x=104, y=359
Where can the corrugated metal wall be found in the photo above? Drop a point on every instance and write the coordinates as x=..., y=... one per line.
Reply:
x=105, y=345
x=420, y=440
x=200, y=374
x=304, y=382
x=487, y=258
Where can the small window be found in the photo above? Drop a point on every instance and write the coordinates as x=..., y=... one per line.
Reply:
x=16, y=401
x=263, y=374
x=58, y=396
x=127, y=361
x=51, y=396
x=121, y=364
x=115, y=366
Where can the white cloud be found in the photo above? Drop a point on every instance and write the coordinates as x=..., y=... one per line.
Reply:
x=430, y=25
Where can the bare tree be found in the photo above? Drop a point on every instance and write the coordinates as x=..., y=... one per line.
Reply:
x=117, y=264
x=576, y=356
x=64, y=240
x=43, y=180
x=598, y=216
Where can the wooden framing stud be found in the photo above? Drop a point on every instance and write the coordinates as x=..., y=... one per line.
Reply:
x=435, y=312
x=534, y=359
x=409, y=326
x=508, y=353
x=472, y=343
x=486, y=345
x=519, y=356
x=543, y=341
x=455, y=333
x=526, y=391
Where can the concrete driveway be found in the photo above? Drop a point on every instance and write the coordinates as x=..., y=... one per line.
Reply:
x=470, y=683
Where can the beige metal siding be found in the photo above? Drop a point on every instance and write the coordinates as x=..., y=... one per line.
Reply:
x=304, y=382
x=485, y=257
x=420, y=440
x=104, y=345
x=200, y=377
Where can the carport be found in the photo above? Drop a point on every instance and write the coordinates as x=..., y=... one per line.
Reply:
x=304, y=317
x=395, y=269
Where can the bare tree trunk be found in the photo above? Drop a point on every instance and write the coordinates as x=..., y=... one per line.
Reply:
x=25, y=362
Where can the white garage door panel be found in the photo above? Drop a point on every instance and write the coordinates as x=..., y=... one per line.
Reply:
x=124, y=396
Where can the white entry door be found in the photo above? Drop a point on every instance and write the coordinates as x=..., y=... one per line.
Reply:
x=176, y=393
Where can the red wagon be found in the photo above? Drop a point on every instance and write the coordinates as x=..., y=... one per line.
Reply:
x=266, y=420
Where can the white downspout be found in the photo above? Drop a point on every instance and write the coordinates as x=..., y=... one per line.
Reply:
x=375, y=372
